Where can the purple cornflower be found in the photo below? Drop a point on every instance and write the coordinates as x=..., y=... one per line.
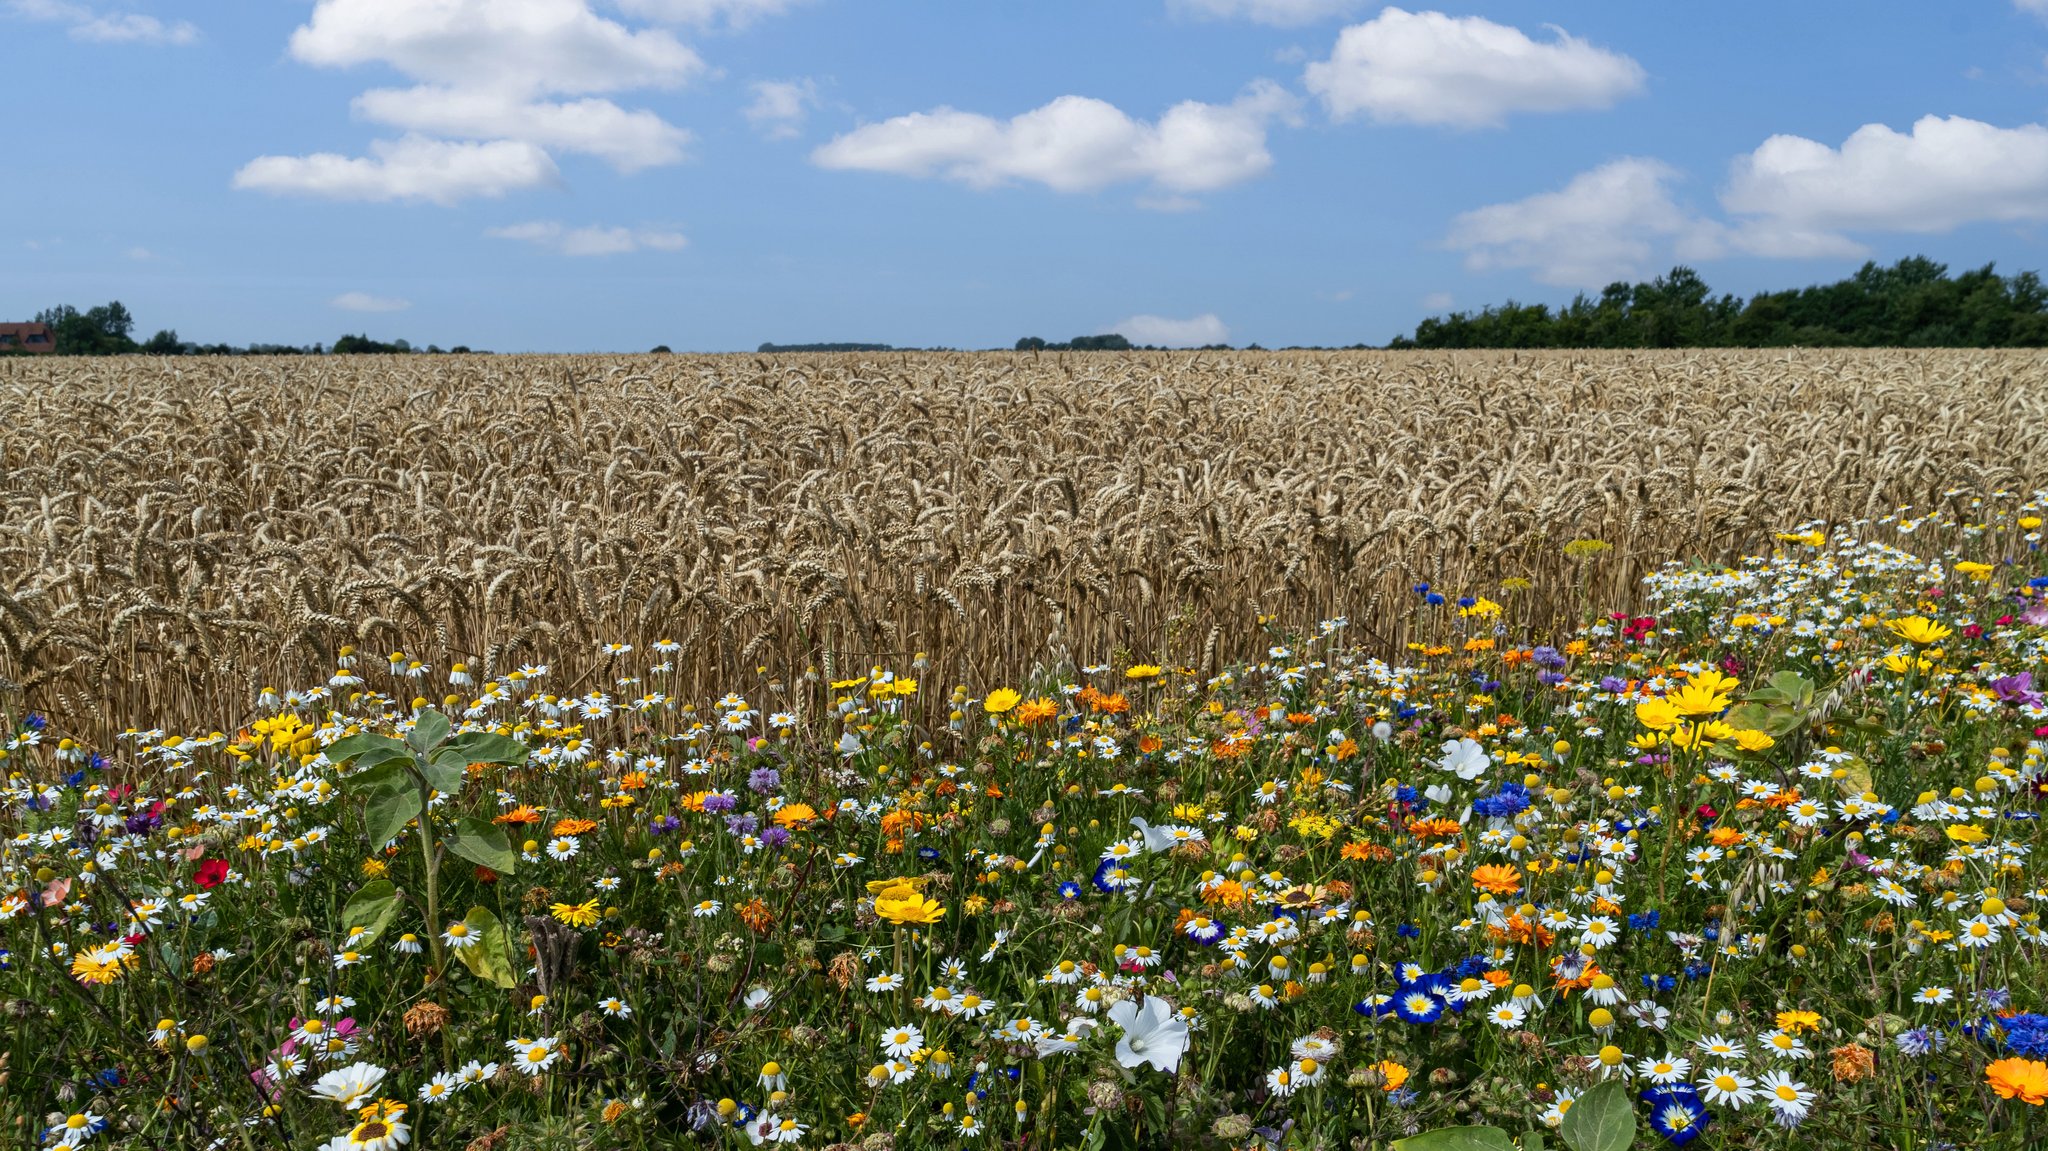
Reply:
x=718, y=801
x=1547, y=656
x=1613, y=683
x=776, y=837
x=741, y=824
x=764, y=779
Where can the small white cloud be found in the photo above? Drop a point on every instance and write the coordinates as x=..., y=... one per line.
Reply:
x=365, y=302
x=780, y=106
x=1281, y=13
x=139, y=254
x=732, y=13
x=628, y=140
x=1605, y=225
x=1466, y=71
x=1437, y=301
x=1163, y=332
x=591, y=240
x=411, y=169
x=1074, y=144
x=1799, y=197
x=2037, y=7
x=108, y=27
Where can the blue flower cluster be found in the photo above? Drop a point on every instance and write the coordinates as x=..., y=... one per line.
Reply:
x=2026, y=1034
x=1511, y=800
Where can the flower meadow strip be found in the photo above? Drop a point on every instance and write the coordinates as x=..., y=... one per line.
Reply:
x=1759, y=850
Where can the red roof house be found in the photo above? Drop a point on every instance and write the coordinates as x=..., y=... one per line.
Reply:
x=27, y=338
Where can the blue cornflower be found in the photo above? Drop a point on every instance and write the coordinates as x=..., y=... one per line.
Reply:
x=2026, y=1034
x=1677, y=1113
x=928, y=854
x=1466, y=601
x=1408, y=931
x=1422, y=589
x=1644, y=921
x=1433, y=600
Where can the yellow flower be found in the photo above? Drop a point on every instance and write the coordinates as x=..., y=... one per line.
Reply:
x=1918, y=630
x=1142, y=671
x=1974, y=569
x=1967, y=833
x=1000, y=700
x=908, y=908
x=576, y=914
x=1811, y=538
x=1657, y=714
x=1749, y=740
x=1699, y=697
x=1797, y=1021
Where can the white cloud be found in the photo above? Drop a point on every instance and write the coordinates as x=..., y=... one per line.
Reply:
x=1281, y=13
x=629, y=141
x=1468, y=72
x=365, y=302
x=1074, y=144
x=141, y=254
x=733, y=13
x=2037, y=7
x=1168, y=333
x=494, y=71
x=517, y=46
x=1437, y=301
x=414, y=168
x=592, y=240
x=109, y=27
x=1798, y=196
x=1605, y=225
x=780, y=106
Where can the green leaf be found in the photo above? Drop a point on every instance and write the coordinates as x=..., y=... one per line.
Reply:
x=389, y=775
x=445, y=774
x=429, y=729
x=485, y=747
x=483, y=843
x=371, y=907
x=353, y=747
x=388, y=812
x=1458, y=1139
x=1533, y=1141
x=1603, y=1119
x=491, y=958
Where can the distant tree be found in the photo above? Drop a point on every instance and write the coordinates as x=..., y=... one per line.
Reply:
x=100, y=331
x=1031, y=344
x=1105, y=343
x=363, y=344
x=164, y=343
x=660, y=350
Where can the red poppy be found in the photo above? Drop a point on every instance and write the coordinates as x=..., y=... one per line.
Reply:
x=210, y=873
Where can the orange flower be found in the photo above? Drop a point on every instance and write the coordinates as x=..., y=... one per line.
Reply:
x=1498, y=878
x=1036, y=710
x=1229, y=893
x=756, y=916
x=520, y=814
x=573, y=826
x=1230, y=748
x=2022, y=1079
x=1148, y=743
x=633, y=781
x=1432, y=828
x=1344, y=750
x=795, y=815
x=1367, y=852
x=1112, y=704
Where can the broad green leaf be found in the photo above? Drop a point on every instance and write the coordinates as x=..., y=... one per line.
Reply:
x=1458, y=1139
x=371, y=907
x=445, y=773
x=481, y=842
x=485, y=747
x=429, y=729
x=389, y=775
x=1603, y=1119
x=352, y=747
x=388, y=812
x=491, y=957
x=1533, y=1141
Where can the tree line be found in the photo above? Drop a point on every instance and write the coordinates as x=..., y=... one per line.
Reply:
x=109, y=330
x=1914, y=303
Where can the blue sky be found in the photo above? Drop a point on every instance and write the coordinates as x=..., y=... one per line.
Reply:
x=584, y=175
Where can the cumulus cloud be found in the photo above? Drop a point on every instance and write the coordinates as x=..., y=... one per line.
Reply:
x=365, y=302
x=1605, y=225
x=1464, y=71
x=628, y=140
x=1074, y=144
x=411, y=169
x=109, y=27
x=1170, y=333
x=535, y=73
x=1280, y=13
x=1800, y=197
x=591, y=240
x=780, y=106
x=2037, y=7
x=732, y=13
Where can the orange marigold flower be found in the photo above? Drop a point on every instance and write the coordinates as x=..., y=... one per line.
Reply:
x=1852, y=1062
x=1229, y=893
x=756, y=916
x=1433, y=828
x=1498, y=878
x=795, y=815
x=520, y=814
x=1036, y=710
x=633, y=781
x=1367, y=852
x=573, y=826
x=1111, y=704
x=1148, y=743
x=2022, y=1079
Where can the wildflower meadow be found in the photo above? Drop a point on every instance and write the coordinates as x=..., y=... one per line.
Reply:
x=1747, y=861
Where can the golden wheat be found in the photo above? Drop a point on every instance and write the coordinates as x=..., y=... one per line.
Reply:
x=177, y=533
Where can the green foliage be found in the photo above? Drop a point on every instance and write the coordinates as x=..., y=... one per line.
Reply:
x=1914, y=303
x=99, y=331
x=1603, y=1119
x=1458, y=1139
x=363, y=344
x=483, y=843
x=371, y=907
x=490, y=958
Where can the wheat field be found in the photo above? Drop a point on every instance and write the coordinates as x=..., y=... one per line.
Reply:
x=177, y=534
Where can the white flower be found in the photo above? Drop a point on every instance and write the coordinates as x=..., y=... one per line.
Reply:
x=1153, y=1034
x=1466, y=758
x=757, y=998
x=902, y=1042
x=349, y=1084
